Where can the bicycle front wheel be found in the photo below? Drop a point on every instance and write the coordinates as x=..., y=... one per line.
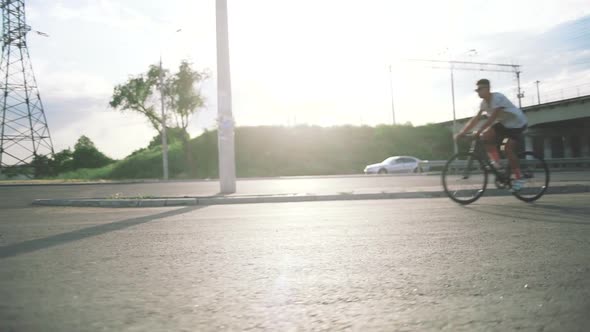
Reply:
x=535, y=174
x=464, y=178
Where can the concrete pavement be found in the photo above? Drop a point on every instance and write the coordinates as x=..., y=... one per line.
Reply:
x=399, y=265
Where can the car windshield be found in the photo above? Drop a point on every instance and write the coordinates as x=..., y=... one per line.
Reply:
x=389, y=160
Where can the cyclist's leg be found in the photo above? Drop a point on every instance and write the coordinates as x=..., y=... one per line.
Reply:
x=514, y=135
x=511, y=148
x=490, y=139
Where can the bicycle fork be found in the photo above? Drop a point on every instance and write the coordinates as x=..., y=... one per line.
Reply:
x=467, y=169
x=472, y=152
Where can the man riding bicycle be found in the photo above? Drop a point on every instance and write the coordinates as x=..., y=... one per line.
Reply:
x=504, y=121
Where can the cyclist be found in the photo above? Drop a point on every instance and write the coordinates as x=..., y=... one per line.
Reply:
x=504, y=121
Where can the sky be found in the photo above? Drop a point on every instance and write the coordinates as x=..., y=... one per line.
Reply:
x=299, y=62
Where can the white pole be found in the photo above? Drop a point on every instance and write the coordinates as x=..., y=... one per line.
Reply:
x=225, y=132
x=163, y=133
x=538, y=94
x=454, y=118
x=391, y=88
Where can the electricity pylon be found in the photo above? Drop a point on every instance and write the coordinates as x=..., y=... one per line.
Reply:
x=24, y=130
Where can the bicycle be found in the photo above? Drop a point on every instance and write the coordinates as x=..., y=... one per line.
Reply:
x=465, y=174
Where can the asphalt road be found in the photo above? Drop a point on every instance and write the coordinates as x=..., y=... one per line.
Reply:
x=388, y=265
x=23, y=195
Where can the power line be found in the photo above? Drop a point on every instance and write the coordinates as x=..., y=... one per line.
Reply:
x=500, y=67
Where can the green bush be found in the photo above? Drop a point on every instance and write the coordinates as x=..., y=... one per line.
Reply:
x=86, y=155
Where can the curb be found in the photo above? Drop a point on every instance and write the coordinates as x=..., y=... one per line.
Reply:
x=220, y=200
x=29, y=183
x=98, y=202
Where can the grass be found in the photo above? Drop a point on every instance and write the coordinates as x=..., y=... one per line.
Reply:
x=85, y=174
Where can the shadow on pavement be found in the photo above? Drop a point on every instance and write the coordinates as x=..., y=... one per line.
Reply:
x=539, y=212
x=59, y=239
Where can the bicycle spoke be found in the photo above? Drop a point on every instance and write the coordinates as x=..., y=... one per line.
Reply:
x=464, y=178
x=535, y=175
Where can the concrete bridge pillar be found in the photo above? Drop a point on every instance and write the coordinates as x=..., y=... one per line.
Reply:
x=585, y=145
x=567, y=147
x=528, y=143
x=547, y=153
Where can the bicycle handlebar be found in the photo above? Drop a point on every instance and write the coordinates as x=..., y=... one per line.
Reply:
x=469, y=136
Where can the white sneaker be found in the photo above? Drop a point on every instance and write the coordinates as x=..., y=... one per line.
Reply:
x=496, y=166
x=517, y=185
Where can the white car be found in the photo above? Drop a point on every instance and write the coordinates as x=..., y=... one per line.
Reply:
x=398, y=164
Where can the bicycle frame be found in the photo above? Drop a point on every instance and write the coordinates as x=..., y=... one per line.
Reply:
x=476, y=149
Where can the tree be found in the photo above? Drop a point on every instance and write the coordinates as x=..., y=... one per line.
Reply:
x=185, y=100
x=185, y=97
x=84, y=143
x=41, y=166
x=142, y=94
x=86, y=155
x=63, y=161
x=174, y=134
x=181, y=95
x=137, y=95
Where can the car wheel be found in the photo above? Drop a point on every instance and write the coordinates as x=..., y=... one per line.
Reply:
x=418, y=170
x=382, y=171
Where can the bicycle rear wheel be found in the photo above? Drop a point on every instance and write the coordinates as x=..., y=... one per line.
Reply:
x=535, y=173
x=464, y=178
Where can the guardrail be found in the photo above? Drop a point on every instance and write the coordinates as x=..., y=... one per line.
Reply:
x=554, y=163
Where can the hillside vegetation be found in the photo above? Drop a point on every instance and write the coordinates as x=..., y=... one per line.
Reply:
x=284, y=151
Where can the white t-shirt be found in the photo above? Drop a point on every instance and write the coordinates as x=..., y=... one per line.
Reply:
x=512, y=117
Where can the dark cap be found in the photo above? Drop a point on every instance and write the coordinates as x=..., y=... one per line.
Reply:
x=483, y=81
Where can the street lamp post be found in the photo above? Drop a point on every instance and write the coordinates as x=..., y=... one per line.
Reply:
x=163, y=109
x=455, y=148
x=164, y=135
x=225, y=131
x=391, y=88
x=538, y=94
x=471, y=52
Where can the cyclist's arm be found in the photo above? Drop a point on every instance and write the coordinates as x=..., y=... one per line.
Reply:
x=490, y=120
x=469, y=125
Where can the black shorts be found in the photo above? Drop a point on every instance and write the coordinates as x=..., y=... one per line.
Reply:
x=503, y=132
